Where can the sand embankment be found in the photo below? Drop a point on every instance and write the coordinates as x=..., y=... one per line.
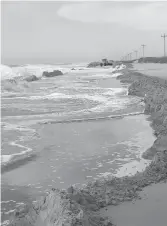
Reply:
x=154, y=93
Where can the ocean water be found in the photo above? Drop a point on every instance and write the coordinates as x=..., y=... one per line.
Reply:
x=67, y=130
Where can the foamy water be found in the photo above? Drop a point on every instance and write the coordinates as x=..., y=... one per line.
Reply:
x=84, y=100
x=68, y=129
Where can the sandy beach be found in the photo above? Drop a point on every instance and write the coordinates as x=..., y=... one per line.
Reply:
x=115, y=197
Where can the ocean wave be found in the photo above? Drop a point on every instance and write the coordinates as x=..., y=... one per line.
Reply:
x=9, y=126
x=93, y=118
x=12, y=85
x=7, y=158
x=96, y=97
x=100, y=75
x=11, y=161
x=37, y=70
x=16, y=160
x=16, y=79
x=49, y=96
x=114, y=91
x=116, y=75
x=79, y=105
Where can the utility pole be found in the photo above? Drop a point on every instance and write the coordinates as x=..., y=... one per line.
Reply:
x=139, y=53
x=136, y=53
x=143, y=49
x=164, y=36
x=130, y=55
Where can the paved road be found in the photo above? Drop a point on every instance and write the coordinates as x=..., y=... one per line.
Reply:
x=158, y=70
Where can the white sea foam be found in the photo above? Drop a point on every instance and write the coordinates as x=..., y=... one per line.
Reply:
x=28, y=133
x=100, y=75
x=104, y=175
x=116, y=75
x=132, y=167
x=8, y=158
x=6, y=72
x=30, y=69
x=98, y=97
x=50, y=96
x=4, y=202
x=26, y=70
x=114, y=91
x=5, y=223
x=102, y=102
x=5, y=158
x=10, y=211
x=104, y=74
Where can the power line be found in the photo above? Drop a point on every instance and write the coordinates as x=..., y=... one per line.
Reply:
x=164, y=36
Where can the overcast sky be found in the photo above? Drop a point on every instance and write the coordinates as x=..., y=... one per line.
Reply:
x=57, y=32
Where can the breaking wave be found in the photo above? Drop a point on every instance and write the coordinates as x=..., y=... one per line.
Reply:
x=16, y=79
x=16, y=160
x=95, y=118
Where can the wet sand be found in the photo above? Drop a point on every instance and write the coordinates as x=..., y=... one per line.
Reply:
x=151, y=210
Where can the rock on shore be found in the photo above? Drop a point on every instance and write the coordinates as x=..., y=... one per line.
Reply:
x=31, y=78
x=52, y=73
